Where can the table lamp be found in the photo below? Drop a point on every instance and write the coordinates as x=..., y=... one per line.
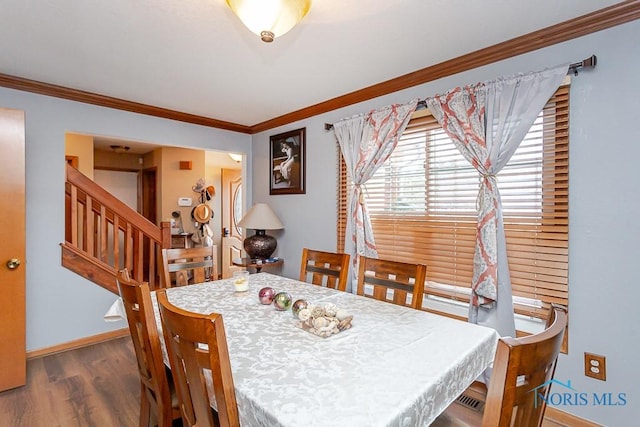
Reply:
x=260, y=218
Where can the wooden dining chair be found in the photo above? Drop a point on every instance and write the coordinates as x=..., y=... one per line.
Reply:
x=520, y=382
x=325, y=269
x=190, y=265
x=157, y=395
x=392, y=281
x=197, y=343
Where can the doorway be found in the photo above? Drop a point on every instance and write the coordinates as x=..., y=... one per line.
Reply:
x=232, y=211
x=148, y=194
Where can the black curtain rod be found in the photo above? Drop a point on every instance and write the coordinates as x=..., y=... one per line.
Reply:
x=590, y=62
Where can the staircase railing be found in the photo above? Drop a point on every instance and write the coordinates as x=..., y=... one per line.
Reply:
x=103, y=235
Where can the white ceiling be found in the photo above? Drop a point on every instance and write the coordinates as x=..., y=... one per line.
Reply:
x=195, y=56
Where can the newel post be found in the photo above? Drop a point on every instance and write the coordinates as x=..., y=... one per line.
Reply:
x=165, y=228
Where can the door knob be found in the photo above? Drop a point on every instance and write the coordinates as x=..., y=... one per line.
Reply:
x=13, y=263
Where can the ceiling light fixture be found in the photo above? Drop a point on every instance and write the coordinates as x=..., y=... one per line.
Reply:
x=236, y=157
x=270, y=18
x=120, y=148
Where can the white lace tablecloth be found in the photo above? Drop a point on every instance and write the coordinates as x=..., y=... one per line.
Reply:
x=395, y=367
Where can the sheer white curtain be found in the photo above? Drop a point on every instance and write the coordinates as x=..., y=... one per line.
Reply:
x=487, y=121
x=366, y=141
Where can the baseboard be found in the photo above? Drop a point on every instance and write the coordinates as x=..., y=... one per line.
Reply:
x=562, y=418
x=82, y=342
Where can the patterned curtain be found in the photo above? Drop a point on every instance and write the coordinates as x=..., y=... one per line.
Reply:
x=366, y=142
x=486, y=122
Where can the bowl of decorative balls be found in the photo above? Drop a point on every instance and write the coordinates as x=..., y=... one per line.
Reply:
x=323, y=320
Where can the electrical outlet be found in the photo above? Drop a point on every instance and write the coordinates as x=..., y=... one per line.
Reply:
x=595, y=366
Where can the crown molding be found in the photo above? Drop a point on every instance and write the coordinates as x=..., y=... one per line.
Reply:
x=596, y=21
x=602, y=19
x=48, y=89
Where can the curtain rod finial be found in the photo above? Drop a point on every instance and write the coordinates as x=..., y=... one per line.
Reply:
x=590, y=62
x=328, y=126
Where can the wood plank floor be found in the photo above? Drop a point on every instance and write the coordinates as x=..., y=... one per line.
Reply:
x=98, y=386
x=91, y=386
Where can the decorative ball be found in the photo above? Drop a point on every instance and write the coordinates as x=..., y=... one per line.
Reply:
x=317, y=311
x=330, y=310
x=304, y=314
x=282, y=301
x=266, y=295
x=298, y=305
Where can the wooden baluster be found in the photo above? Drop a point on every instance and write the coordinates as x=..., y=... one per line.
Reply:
x=116, y=242
x=104, y=241
x=138, y=251
x=74, y=215
x=152, y=263
x=128, y=249
x=89, y=236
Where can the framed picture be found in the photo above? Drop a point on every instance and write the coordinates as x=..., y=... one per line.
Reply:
x=287, y=155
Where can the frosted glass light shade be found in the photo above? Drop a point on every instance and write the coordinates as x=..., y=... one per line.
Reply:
x=236, y=157
x=270, y=18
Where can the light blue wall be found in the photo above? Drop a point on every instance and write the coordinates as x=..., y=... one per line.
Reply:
x=604, y=205
x=61, y=307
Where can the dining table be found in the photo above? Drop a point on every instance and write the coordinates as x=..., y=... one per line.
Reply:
x=395, y=366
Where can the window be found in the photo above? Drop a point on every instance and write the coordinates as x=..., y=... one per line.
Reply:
x=423, y=208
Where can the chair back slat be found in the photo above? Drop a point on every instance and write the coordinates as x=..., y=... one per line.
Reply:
x=325, y=269
x=197, y=343
x=392, y=281
x=522, y=375
x=189, y=265
x=155, y=384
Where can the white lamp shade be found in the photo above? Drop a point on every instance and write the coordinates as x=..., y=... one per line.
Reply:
x=275, y=17
x=261, y=217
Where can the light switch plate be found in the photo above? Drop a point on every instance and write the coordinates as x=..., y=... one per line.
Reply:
x=184, y=201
